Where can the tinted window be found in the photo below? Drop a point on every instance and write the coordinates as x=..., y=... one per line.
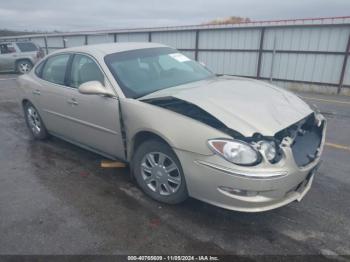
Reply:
x=143, y=71
x=27, y=47
x=84, y=69
x=55, y=69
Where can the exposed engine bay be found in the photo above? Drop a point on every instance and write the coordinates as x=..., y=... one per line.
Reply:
x=304, y=137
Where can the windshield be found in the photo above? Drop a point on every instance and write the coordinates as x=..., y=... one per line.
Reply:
x=143, y=71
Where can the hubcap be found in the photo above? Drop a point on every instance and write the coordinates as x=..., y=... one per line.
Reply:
x=33, y=120
x=24, y=67
x=160, y=173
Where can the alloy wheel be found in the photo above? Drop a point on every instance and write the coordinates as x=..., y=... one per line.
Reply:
x=24, y=67
x=33, y=120
x=160, y=173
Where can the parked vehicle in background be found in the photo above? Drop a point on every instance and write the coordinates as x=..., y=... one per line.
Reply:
x=19, y=56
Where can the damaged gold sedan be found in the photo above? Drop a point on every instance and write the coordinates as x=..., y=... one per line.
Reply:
x=236, y=143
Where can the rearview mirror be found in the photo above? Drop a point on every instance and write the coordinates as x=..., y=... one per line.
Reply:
x=94, y=88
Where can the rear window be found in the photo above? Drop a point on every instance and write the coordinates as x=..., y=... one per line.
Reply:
x=27, y=47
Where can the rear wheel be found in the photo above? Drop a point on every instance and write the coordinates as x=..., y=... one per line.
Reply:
x=24, y=66
x=158, y=172
x=34, y=122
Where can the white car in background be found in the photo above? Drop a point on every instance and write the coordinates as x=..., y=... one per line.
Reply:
x=18, y=56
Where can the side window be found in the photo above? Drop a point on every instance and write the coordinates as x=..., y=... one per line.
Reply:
x=27, y=47
x=55, y=69
x=39, y=69
x=7, y=49
x=84, y=69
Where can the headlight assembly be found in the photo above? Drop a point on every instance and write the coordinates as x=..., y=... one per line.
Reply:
x=235, y=151
x=268, y=149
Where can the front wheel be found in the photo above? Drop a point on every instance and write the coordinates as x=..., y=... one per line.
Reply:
x=158, y=172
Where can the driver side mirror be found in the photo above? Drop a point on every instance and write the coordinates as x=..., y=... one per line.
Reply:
x=94, y=88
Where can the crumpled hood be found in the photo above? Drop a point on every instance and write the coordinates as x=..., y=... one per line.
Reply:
x=245, y=105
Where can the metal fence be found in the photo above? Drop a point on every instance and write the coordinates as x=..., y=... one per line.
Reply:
x=305, y=52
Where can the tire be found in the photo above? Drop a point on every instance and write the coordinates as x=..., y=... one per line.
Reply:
x=161, y=180
x=34, y=122
x=23, y=66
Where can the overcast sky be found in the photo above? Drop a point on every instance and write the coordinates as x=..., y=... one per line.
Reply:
x=73, y=15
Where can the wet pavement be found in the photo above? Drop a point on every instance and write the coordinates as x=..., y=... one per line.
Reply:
x=55, y=199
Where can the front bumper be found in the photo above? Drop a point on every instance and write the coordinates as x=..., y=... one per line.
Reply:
x=266, y=186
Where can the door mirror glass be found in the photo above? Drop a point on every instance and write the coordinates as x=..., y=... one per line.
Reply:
x=94, y=88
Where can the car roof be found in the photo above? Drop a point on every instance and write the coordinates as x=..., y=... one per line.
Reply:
x=110, y=48
x=15, y=42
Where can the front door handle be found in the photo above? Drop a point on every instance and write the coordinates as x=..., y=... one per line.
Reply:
x=36, y=92
x=72, y=102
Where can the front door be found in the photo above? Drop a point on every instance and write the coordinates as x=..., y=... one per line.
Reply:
x=95, y=118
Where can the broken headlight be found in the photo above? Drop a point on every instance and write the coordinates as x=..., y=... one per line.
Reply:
x=235, y=151
x=268, y=149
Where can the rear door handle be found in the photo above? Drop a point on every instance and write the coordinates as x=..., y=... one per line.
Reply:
x=36, y=92
x=72, y=102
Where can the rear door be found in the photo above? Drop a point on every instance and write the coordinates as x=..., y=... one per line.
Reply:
x=28, y=50
x=54, y=95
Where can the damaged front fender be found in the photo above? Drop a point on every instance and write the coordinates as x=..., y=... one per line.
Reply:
x=179, y=131
x=192, y=111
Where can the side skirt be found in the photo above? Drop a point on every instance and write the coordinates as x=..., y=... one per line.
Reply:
x=91, y=149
